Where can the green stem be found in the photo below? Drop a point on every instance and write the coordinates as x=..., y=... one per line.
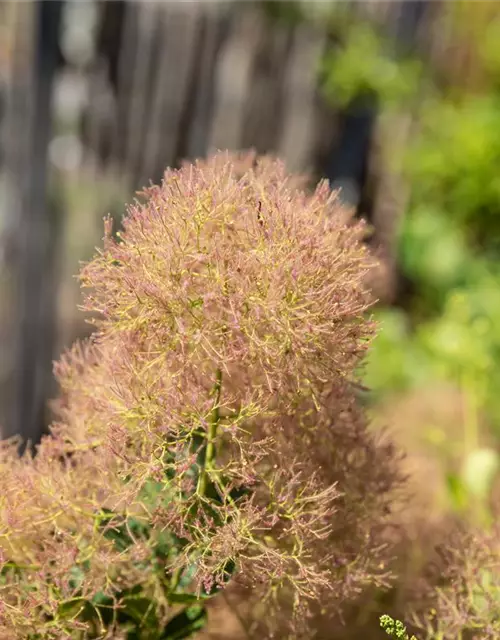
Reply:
x=176, y=576
x=211, y=437
x=471, y=427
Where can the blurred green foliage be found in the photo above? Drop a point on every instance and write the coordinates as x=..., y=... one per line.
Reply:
x=360, y=64
x=454, y=166
x=448, y=244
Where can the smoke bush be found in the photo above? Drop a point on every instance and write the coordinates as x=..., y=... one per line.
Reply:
x=209, y=431
x=466, y=601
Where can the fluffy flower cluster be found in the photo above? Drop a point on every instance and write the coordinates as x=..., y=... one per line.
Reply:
x=466, y=600
x=214, y=407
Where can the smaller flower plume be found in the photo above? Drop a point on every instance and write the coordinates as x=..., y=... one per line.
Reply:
x=212, y=415
x=466, y=601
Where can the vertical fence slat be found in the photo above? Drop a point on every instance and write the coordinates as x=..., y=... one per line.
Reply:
x=180, y=28
x=265, y=103
x=296, y=141
x=232, y=82
x=36, y=310
x=216, y=27
x=139, y=51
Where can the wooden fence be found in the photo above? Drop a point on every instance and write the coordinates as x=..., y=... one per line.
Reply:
x=99, y=97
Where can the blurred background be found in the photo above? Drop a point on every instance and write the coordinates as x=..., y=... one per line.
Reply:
x=397, y=103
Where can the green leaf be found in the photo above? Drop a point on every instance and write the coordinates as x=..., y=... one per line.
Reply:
x=141, y=609
x=77, y=576
x=187, y=576
x=72, y=608
x=120, y=534
x=183, y=598
x=105, y=605
x=101, y=599
x=185, y=624
x=84, y=611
